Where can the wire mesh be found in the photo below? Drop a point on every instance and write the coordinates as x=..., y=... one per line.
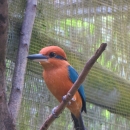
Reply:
x=79, y=27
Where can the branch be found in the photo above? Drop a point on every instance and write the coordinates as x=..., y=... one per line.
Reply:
x=6, y=122
x=75, y=87
x=21, y=61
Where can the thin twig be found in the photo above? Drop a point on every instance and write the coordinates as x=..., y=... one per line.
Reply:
x=75, y=87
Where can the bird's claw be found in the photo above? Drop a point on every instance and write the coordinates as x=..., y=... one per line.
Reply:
x=64, y=99
x=54, y=113
x=73, y=99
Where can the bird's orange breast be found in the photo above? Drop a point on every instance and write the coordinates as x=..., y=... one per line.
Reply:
x=58, y=82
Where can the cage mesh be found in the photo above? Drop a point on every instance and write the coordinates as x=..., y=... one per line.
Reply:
x=79, y=27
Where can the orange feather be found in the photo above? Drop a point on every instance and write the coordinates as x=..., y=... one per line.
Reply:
x=57, y=79
x=58, y=82
x=56, y=75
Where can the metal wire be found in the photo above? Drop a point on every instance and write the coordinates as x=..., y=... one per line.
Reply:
x=79, y=27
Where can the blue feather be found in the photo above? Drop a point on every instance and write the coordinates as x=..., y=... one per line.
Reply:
x=73, y=75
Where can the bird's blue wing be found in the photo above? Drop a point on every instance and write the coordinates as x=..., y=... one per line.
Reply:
x=73, y=75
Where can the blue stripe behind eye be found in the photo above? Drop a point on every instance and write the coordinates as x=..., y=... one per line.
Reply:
x=60, y=57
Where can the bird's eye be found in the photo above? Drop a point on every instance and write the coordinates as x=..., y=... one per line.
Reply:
x=52, y=54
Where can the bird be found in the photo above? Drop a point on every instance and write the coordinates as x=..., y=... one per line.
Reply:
x=59, y=77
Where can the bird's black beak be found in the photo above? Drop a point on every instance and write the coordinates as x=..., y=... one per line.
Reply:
x=37, y=57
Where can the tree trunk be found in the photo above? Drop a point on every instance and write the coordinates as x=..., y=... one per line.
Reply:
x=21, y=61
x=6, y=122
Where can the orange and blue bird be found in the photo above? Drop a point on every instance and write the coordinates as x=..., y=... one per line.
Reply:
x=59, y=77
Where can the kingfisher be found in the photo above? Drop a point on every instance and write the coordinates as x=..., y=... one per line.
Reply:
x=59, y=77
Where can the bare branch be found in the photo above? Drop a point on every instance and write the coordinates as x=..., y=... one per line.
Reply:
x=75, y=86
x=20, y=66
x=6, y=122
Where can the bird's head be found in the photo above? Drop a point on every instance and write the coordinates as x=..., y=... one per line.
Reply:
x=51, y=56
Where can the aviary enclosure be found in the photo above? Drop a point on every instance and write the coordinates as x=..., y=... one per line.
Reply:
x=79, y=27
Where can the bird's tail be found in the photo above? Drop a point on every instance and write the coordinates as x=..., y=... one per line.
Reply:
x=78, y=123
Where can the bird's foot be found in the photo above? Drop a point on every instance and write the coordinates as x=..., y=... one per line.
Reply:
x=73, y=99
x=64, y=99
x=54, y=112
